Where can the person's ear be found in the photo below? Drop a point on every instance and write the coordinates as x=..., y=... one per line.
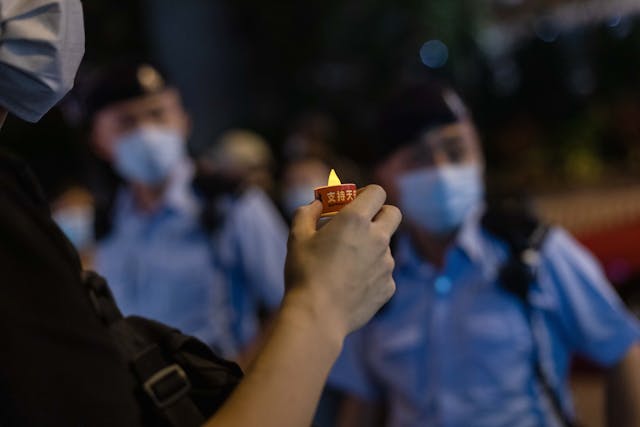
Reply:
x=186, y=120
x=102, y=135
x=384, y=174
x=3, y=116
x=188, y=125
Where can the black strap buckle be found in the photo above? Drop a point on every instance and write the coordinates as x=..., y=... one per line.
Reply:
x=101, y=298
x=167, y=386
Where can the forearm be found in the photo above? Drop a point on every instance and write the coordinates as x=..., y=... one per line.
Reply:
x=623, y=391
x=322, y=305
x=283, y=386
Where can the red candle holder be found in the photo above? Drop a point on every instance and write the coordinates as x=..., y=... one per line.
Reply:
x=335, y=197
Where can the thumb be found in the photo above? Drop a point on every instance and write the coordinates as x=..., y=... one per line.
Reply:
x=306, y=219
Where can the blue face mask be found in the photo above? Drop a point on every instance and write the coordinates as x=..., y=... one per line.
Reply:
x=41, y=46
x=77, y=224
x=439, y=199
x=296, y=196
x=149, y=154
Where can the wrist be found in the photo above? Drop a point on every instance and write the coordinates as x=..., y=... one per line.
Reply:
x=314, y=315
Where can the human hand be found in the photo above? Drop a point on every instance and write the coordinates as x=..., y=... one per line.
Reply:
x=342, y=273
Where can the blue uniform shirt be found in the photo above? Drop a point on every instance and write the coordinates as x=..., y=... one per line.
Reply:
x=452, y=348
x=167, y=267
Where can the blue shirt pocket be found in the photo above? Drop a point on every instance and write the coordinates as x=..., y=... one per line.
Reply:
x=497, y=346
x=398, y=357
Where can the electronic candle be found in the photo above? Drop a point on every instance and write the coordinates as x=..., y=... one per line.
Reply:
x=335, y=195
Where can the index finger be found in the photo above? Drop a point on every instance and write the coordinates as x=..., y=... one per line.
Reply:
x=306, y=218
x=369, y=201
x=388, y=219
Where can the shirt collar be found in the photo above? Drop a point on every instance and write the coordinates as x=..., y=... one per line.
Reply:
x=178, y=197
x=407, y=257
x=468, y=239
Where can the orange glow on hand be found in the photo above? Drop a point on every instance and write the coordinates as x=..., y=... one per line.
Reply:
x=333, y=179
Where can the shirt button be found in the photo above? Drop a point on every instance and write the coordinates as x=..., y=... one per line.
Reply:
x=442, y=285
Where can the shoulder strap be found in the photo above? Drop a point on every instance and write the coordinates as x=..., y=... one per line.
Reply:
x=524, y=234
x=166, y=384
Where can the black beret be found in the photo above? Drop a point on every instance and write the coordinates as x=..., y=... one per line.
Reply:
x=122, y=82
x=413, y=110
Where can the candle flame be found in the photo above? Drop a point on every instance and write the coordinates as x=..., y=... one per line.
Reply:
x=333, y=179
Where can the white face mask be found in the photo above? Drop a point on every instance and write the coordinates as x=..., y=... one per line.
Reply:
x=149, y=154
x=439, y=199
x=41, y=46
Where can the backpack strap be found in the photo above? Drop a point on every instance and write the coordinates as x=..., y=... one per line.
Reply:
x=524, y=234
x=166, y=384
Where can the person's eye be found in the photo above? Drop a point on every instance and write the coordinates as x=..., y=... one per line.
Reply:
x=126, y=122
x=421, y=155
x=158, y=114
x=456, y=152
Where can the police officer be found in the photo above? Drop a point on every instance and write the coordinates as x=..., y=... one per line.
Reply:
x=455, y=347
x=159, y=257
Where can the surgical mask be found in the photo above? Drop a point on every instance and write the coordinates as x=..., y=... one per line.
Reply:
x=439, y=199
x=296, y=196
x=41, y=46
x=76, y=222
x=149, y=154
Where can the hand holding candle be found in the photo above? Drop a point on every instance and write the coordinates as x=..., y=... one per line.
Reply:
x=335, y=195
